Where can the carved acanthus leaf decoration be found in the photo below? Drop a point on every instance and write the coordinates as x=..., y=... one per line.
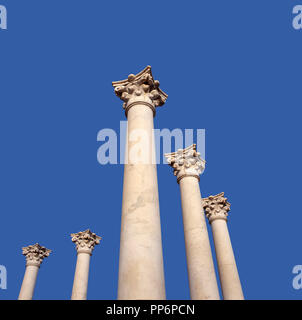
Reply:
x=186, y=161
x=139, y=87
x=35, y=254
x=85, y=240
x=216, y=207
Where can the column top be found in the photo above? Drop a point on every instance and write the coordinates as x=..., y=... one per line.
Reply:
x=186, y=162
x=35, y=254
x=140, y=89
x=216, y=207
x=85, y=241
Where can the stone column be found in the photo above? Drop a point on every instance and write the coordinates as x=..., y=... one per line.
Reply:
x=188, y=165
x=34, y=256
x=141, y=273
x=85, y=242
x=216, y=209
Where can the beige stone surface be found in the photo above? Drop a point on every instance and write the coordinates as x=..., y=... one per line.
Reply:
x=187, y=166
x=85, y=242
x=29, y=283
x=141, y=273
x=216, y=208
x=80, y=283
x=34, y=257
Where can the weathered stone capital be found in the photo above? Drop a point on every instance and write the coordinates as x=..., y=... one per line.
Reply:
x=216, y=207
x=35, y=254
x=186, y=162
x=140, y=89
x=85, y=241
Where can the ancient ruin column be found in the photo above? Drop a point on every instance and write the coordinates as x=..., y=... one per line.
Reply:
x=85, y=242
x=216, y=209
x=34, y=256
x=188, y=165
x=141, y=273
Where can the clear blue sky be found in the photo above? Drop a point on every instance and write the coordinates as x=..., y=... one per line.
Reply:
x=231, y=67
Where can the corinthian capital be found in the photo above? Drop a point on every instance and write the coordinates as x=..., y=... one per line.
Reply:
x=140, y=89
x=35, y=254
x=85, y=241
x=186, y=162
x=216, y=207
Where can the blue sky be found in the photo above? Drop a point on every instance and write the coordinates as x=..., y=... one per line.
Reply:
x=232, y=68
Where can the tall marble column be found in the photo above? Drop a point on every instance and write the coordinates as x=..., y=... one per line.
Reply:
x=85, y=242
x=34, y=256
x=216, y=209
x=141, y=273
x=188, y=165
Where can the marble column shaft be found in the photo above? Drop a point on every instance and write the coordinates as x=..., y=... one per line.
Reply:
x=188, y=166
x=85, y=242
x=141, y=272
x=34, y=256
x=216, y=208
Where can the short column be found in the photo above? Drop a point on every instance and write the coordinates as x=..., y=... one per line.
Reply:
x=216, y=209
x=34, y=256
x=188, y=165
x=85, y=242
